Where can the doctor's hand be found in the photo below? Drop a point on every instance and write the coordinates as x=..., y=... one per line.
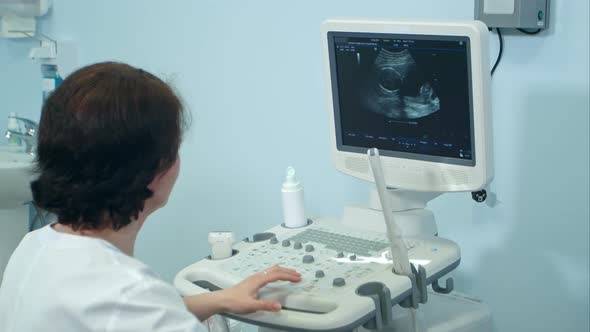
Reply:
x=241, y=298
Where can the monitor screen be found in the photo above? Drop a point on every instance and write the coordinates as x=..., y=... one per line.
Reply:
x=407, y=95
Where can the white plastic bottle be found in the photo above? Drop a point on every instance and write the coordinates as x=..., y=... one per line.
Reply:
x=13, y=125
x=293, y=207
x=221, y=244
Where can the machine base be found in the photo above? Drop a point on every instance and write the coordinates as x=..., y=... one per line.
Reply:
x=454, y=312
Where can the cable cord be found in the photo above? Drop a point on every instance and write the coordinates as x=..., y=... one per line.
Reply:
x=529, y=32
x=500, y=39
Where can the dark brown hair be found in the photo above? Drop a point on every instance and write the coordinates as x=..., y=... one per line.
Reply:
x=105, y=133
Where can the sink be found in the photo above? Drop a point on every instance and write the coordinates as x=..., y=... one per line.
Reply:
x=16, y=172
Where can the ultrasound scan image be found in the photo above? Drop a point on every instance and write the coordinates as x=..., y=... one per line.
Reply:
x=397, y=89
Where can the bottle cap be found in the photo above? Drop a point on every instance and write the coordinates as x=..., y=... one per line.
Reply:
x=291, y=181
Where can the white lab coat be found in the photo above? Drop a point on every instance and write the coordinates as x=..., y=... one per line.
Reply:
x=68, y=283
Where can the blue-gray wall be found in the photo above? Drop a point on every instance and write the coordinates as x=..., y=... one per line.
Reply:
x=251, y=73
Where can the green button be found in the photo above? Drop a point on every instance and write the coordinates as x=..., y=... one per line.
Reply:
x=540, y=15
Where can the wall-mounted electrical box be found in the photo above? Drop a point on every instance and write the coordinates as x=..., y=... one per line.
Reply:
x=18, y=17
x=523, y=14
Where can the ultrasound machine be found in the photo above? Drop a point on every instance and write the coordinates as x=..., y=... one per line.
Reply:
x=409, y=106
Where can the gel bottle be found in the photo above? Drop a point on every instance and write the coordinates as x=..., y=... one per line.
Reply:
x=293, y=208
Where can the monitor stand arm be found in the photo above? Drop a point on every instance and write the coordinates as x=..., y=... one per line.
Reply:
x=409, y=212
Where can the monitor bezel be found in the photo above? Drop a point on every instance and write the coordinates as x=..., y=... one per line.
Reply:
x=412, y=174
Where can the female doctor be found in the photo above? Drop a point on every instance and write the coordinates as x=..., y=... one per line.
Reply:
x=107, y=159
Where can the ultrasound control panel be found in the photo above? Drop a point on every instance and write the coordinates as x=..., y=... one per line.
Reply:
x=326, y=260
x=335, y=263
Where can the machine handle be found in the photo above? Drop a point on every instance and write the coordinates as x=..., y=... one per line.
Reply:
x=286, y=319
x=295, y=320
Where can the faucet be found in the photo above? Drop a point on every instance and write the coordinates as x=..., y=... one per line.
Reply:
x=29, y=136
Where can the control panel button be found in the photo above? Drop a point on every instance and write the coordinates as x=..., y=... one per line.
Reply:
x=308, y=259
x=297, y=245
x=352, y=257
x=309, y=248
x=340, y=255
x=274, y=240
x=286, y=243
x=319, y=274
x=339, y=282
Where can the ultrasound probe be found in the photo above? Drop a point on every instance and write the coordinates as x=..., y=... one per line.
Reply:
x=399, y=252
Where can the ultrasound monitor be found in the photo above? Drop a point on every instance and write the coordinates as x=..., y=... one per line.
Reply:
x=417, y=91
